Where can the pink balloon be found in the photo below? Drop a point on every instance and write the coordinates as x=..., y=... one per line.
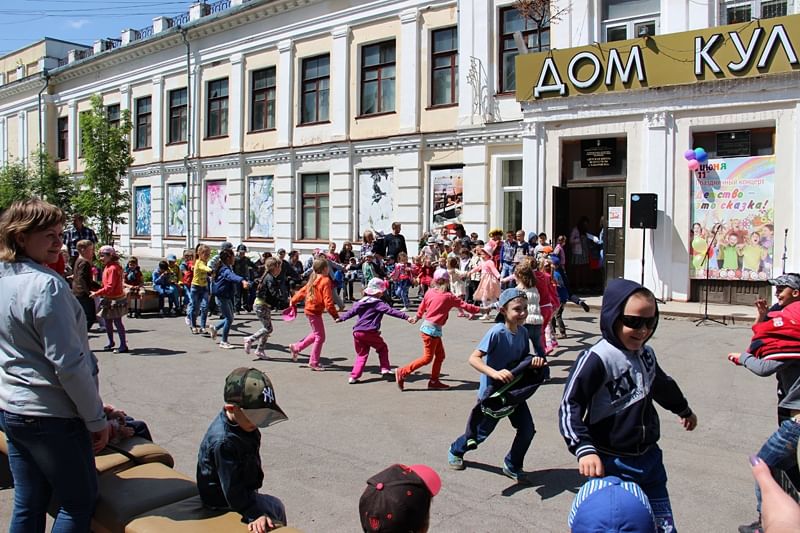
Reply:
x=694, y=164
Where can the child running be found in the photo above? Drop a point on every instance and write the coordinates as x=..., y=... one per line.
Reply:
x=401, y=276
x=225, y=282
x=525, y=274
x=199, y=291
x=507, y=352
x=269, y=296
x=367, y=331
x=435, y=307
x=607, y=414
x=317, y=296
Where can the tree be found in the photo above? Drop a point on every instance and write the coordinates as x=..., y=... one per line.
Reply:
x=14, y=183
x=41, y=178
x=107, y=156
x=541, y=13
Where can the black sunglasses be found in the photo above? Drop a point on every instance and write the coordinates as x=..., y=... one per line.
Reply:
x=639, y=322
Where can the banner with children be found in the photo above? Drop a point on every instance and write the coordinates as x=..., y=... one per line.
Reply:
x=732, y=233
x=447, y=196
x=375, y=193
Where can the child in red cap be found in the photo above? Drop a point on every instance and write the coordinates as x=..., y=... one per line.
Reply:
x=398, y=499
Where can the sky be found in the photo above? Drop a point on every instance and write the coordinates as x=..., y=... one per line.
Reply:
x=23, y=22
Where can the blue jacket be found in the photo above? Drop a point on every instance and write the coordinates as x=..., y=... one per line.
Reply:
x=225, y=283
x=608, y=399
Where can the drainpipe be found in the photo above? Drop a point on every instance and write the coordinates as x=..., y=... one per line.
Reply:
x=187, y=160
x=41, y=125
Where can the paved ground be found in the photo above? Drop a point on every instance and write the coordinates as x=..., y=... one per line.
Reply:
x=339, y=434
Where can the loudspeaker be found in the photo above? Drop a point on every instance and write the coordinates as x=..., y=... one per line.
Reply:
x=644, y=211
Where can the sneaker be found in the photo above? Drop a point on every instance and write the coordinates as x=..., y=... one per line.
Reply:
x=122, y=349
x=195, y=330
x=352, y=381
x=211, y=330
x=226, y=345
x=437, y=385
x=516, y=475
x=261, y=354
x=562, y=335
x=247, y=342
x=317, y=368
x=294, y=352
x=108, y=347
x=585, y=306
x=455, y=462
x=755, y=527
x=187, y=320
x=399, y=378
x=386, y=372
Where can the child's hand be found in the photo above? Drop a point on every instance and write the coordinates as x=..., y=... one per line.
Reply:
x=761, y=308
x=690, y=422
x=502, y=375
x=245, y=283
x=260, y=525
x=538, y=362
x=412, y=320
x=734, y=358
x=591, y=466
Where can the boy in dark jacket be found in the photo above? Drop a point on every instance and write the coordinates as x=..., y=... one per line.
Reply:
x=269, y=296
x=229, y=465
x=607, y=414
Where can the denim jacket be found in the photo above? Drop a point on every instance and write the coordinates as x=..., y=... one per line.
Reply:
x=46, y=366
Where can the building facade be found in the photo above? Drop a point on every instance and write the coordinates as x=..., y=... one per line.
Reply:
x=292, y=123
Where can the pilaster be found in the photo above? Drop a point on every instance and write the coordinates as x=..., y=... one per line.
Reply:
x=341, y=200
x=236, y=102
x=410, y=185
x=408, y=95
x=284, y=92
x=157, y=212
x=72, y=143
x=284, y=188
x=476, y=216
x=340, y=75
x=157, y=117
x=3, y=142
x=475, y=88
x=533, y=178
x=657, y=253
x=22, y=123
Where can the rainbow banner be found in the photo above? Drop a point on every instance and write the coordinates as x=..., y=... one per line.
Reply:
x=733, y=199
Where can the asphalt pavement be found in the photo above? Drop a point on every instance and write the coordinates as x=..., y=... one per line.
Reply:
x=338, y=435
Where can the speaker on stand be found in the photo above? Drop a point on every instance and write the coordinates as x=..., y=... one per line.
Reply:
x=643, y=215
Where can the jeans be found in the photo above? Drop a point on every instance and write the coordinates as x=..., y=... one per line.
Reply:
x=225, y=306
x=198, y=305
x=780, y=452
x=535, y=336
x=171, y=292
x=89, y=309
x=648, y=472
x=508, y=269
x=480, y=426
x=401, y=291
x=50, y=457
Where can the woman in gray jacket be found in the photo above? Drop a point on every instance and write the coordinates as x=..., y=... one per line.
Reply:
x=50, y=406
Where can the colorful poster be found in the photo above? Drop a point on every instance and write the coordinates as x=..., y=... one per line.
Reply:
x=260, y=207
x=376, y=193
x=732, y=235
x=216, y=209
x=176, y=209
x=142, y=208
x=447, y=195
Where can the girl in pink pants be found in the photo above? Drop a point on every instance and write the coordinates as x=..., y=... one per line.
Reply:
x=318, y=297
x=367, y=331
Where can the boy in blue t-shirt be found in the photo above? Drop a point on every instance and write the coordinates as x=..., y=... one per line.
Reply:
x=506, y=350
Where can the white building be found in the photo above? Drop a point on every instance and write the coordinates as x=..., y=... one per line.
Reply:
x=289, y=123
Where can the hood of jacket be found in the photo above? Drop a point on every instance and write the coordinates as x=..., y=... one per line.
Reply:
x=614, y=299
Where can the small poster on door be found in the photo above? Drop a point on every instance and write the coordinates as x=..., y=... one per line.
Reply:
x=615, y=216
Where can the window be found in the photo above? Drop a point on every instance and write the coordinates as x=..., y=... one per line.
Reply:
x=377, y=78
x=629, y=19
x=444, y=66
x=262, y=105
x=63, y=138
x=512, y=21
x=315, y=207
x=735, y=11
x=316, y=81
x=736, y=143
x=217, y=108
x=178, y=116
x=112, y=115
x=143, y=122
x=512, y=194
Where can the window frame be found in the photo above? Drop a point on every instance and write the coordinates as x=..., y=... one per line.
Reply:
x=317, y=91
x=756, y=7
x=179, y=113
x=270, y=96
x=379, y=79
x=221, y=102
x=62, y=138
x=453, y=67
x=303, y=196
x=113, y=122
x=143, y=119
x=503, y=189
x=527, y=34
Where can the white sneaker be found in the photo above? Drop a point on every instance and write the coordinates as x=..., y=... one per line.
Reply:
x=226, y=346
x=212, y=331
x=404, y=309
x=352, y=381
x=261, y=354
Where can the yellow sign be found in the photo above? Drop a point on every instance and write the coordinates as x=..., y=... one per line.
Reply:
x=744, y=50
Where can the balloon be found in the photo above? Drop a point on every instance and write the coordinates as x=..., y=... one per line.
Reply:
x=702, y=157
x=693, y=164
x=689, y=155
x=700, y=153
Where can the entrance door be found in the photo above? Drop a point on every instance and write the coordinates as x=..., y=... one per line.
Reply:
x=561, y=214
x=615, y=237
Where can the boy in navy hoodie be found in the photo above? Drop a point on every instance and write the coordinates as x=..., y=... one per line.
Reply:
x=607, y=414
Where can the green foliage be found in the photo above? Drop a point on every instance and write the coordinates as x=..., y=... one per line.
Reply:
x=40, y=178
x=107, y=154
x=147, y=276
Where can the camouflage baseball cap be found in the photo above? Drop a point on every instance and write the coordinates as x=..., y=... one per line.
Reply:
x=252, y=391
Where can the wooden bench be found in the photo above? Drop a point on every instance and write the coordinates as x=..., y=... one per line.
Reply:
x=140, y=492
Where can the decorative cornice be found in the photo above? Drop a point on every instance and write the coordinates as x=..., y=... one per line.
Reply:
x=285, y=45
x=340, y=32
x=157, y=80
x=656, y=120
x=269, y=158
x=237, y=58
x=322, y=153
x=409, y=15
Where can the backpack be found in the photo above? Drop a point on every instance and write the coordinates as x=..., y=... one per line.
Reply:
x=269, y=292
